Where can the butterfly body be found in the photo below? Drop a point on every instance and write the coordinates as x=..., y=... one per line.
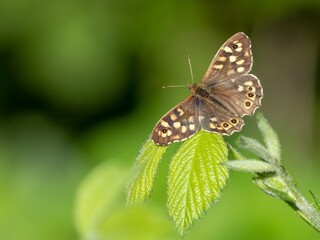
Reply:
x=217, y=104
x=198, y=91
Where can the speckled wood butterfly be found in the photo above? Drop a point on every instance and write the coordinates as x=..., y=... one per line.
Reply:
x=217, y=104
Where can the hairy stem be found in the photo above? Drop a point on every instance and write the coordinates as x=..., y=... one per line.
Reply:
x=301, y=205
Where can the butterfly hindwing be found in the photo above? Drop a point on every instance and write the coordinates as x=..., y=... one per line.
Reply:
x=233, y=59
x=179, y=124
x=216, y=118
x=241, y=96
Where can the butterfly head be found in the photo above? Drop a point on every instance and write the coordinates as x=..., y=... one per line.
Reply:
x=192, y=87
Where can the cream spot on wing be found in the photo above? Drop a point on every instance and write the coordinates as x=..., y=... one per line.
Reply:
x=239, y=49
x=169, y=133
x=176, y=124
x=218, y=66
x=214, y=119
x=173, y=117
x=180, y=111
x=227, y=49
x=211, y=125
x=191, y=119
x=240, y=88
x=230, y=72
x=192, y=127
x=159, y=133
x=240, y=62
x=183, y=129
x=165, y=124
x=233, y=58
x=222, y=59
x=248, y=83
x=246, y=54
x=239, y=44
x=240, y=69
x=163, y=134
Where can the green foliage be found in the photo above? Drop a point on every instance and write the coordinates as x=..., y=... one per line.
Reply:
x=255, y=147
x=270, y=137
x=196, y=178
x=145, y=170
x=255, y=166
x=93, y=71
x=94, y=200
x=198, y=172
x=272, y=178
x=234, y=153
x=100, y=212
x=316, y=200
x=275, y=185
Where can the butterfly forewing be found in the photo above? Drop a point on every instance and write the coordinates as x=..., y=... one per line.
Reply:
x=233, y=59
x=180, y=123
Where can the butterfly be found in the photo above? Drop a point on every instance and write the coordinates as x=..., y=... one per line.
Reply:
x=217, y=104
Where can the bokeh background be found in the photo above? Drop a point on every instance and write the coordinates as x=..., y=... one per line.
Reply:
x=81, y=87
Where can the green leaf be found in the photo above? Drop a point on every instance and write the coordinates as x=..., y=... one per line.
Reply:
x=196, y=178
x=270, y=137
x=97, y=198
x=234, y=153
x=144, y=172
x=275, y=185
x=253, y=166
x=100, y=211
x=255, y=147
x=315, y=199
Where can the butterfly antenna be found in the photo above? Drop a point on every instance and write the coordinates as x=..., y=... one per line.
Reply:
x=190, y=66
x=171, y=86
x=184, y=85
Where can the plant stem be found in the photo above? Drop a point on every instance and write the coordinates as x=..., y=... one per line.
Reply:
x=300, y=204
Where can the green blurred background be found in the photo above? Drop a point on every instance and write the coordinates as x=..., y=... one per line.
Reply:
x=81, y=85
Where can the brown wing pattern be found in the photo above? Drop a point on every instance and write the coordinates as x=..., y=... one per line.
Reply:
x=179, y=124
x=215, y=118
x=241, y=96
x=233, y=59
x=229, y=101
x=226, y=93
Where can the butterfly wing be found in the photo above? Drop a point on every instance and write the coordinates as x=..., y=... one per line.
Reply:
x=227, y=102
x=242, y=96
x=233, y=59
x=225, y=94
x=216, y=118
x=179, y=124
